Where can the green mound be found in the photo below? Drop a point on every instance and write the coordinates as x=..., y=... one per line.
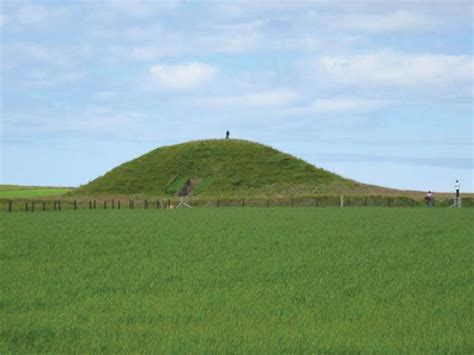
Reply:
x=217, y=168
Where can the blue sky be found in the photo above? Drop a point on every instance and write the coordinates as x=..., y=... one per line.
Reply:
x=380, y=92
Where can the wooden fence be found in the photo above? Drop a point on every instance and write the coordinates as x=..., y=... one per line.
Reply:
x=170, y=203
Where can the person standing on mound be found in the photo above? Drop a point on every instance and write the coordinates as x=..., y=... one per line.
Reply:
x=227, y=134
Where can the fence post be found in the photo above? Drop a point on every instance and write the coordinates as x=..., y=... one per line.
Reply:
x=158, y=204
x=169, y=204
x=105, y=204
x=54, y=205
x=59, y=205
x=389, y=202
x=133, y=204
x=243, y=202
x=26, y=206
x=94, y=204
x=10, y=202
x=268, y=202
x=292, y=202
x=113, y=204
x=342, y=201
x=90, y=204
x=32, y=206
x=75, y=205
x=118, y=204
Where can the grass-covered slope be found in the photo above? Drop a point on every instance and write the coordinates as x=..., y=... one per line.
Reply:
x=216, y=168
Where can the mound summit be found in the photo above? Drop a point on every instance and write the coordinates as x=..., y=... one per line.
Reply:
x=218, y=168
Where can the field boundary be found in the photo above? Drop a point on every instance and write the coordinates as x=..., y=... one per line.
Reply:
x=37, y=205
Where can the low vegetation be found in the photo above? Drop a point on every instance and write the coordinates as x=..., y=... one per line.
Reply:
x=18, y=192
x=273, y=280
x=222, y=168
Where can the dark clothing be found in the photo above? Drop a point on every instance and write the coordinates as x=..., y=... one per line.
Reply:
x=429, y=200
x=457, y=193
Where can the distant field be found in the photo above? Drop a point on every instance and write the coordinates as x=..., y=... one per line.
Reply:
x=16, y=191
x=256, y=280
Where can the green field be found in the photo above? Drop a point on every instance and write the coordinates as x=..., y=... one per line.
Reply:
x=17, y=191
x=369, y=280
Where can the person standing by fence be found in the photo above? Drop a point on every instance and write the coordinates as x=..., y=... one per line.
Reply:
x=429, y=199
x=457, y=187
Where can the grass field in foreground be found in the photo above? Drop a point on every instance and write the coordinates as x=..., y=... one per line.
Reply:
x=238, y=280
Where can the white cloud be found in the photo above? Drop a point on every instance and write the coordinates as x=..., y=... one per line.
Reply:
x=45, y=78
x=106, y=121
x=136, y=33
x=182, y=76
x=396, y=69
x=230, y=37
x=106, y=95
x=38, y=15
x=111, y=11
x=241, y=26
x=155, y=33
x=92, y=120
x=265, y=98
x=31, y=54
x=398, y=21
x=236, y=43
x=156, y=41
x=148, y=53
x=307, y=43
x=32, y=14
x=134, y=8
x=3, y=20
x=338, y=105
x=346, y=105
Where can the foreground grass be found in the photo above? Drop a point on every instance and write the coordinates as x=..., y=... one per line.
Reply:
x=247, y=280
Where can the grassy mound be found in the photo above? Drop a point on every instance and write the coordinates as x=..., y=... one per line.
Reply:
x=217, y=168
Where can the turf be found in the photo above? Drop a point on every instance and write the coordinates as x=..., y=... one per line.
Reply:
x=32, y=192
x=355, y=280
x=224, y=168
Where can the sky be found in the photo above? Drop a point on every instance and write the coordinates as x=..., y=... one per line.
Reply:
x=377, y=91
